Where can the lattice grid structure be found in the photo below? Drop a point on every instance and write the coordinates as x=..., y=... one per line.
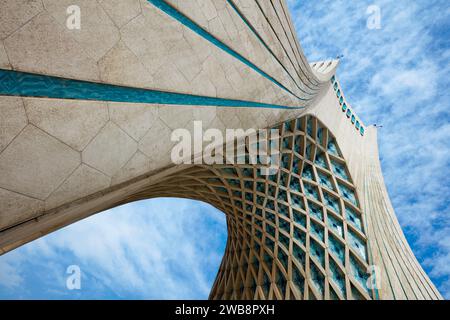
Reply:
x=296, y=234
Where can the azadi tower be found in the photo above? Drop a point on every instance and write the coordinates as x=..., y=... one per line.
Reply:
x=86, y=117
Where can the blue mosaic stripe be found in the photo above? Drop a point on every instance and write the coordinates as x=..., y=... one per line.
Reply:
x=255, y=32
x=15, y=83
x=177, y=15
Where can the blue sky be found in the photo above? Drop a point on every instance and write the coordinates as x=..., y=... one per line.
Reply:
x=396, y=76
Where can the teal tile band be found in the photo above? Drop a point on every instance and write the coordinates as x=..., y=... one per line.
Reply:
x=15, y=83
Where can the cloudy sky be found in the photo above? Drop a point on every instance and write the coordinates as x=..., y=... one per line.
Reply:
x=395, y=76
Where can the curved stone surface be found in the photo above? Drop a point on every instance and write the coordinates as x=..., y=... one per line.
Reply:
x=317, y=229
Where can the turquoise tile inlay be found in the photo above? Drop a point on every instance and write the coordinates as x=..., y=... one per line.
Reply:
x=321, y=161
x=270, y=230
x=284, y=240
x=331, y=202
x=337, y=276
x=297, y=201
x=271, y=217
x=325, y=180
x=315, y=211
x=282, y=195
x=308, y=172
x=339, y=170
x=295, y=185
x=317, y=230
x=361, y=130
x=357, y=244
x=282, y=257
x=299, y=254
x=180, y=17
x=309, y=129
x=348, y=194
x=353, y=218
x=320, y=135
x=298, y=280
x=287, y=127
x=360, y=275
x=308, y=150
x=311, y=191
x=283, y=210
x=317, y=252
x=299, y=218
x=15, y=83
x=335, y=225
x=337, y=249
x=300, y=236
x=347, y=110
x=284, y=225
x=332, y=148
x=317, y=279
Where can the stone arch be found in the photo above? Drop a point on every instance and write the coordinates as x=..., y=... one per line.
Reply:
x=296, y=234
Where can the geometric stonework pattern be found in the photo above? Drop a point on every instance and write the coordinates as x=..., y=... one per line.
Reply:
x=86, y=118
x=295, y=234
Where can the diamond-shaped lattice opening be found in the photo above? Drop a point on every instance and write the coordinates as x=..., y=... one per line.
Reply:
x=359, y=273
x=354, y=218
x=348, y=194
x=299, y=145
x=283, y=258
x=299, y=218
x=315, y=210
x=298, y=280
x=311, y=191
x=339, y=170
x=317, y=279
x=321, y=160
x=297, y=201
x=358, y=244
x=284, y=240
x=299, y=255
x=325, y=180
x=332, y=147
x=284, y=225
x=300, y=236
x=270, y=229
x=309, y=128
x=331, y=202
x=317, y=252
x=308, y=172
x=337, y=276
x=320, y=136
x=271, y=217
x=335, y=224
x=281, y=282
x=266, y=285
x=317, y=230
x=337, y=248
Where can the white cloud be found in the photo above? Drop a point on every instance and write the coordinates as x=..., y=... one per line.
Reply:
x=154, y=249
